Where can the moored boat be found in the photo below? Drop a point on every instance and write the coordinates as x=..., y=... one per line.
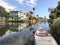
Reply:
x=42, y=37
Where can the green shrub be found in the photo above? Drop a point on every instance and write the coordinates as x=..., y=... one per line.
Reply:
x=56, y=25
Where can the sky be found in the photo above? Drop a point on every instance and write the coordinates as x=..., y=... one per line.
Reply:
x=41, y=6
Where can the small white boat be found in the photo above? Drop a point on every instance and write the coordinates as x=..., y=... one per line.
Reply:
x=42, y=37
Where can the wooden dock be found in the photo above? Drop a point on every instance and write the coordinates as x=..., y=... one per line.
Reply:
x=45, y=40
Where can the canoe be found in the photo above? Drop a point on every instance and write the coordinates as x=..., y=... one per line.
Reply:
x=42, y=37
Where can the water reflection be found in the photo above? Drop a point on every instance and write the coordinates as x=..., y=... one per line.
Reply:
x=21, y=26
x=13, y=27
x=19, y=33
x=16, y=38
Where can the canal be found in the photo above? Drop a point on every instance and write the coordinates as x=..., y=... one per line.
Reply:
x=19, y=33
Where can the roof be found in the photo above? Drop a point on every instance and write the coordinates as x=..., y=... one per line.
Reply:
x=14, y=11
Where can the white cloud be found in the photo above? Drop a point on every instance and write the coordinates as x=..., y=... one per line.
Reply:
x=31, y=3
x=6, y=5
x=20, y=1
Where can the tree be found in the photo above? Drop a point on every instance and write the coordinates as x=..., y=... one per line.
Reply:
x=55, y=21
x=56, y=29
x=37, y=15
x=33, y=8
x=59, y=3
x=30, y=12
x=8, y=11
x=2, y=11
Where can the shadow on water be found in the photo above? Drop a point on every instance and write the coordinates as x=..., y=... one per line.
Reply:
x=19, y=33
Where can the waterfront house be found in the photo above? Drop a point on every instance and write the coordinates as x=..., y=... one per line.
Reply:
x=13, y=15
x=2, y=13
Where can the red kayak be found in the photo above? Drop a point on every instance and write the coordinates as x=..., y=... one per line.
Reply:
x=42, y=37
x=41, y=32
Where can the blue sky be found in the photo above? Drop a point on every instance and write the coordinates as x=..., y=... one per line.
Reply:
x=41, y=6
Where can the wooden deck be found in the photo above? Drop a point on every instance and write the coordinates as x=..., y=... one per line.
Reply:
x=45, y=40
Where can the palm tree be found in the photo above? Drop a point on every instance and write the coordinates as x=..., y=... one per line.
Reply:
x=33, y=8
x=37, y=15
x=30, y=12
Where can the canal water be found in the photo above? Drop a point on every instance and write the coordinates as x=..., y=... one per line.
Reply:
x=19, y=33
